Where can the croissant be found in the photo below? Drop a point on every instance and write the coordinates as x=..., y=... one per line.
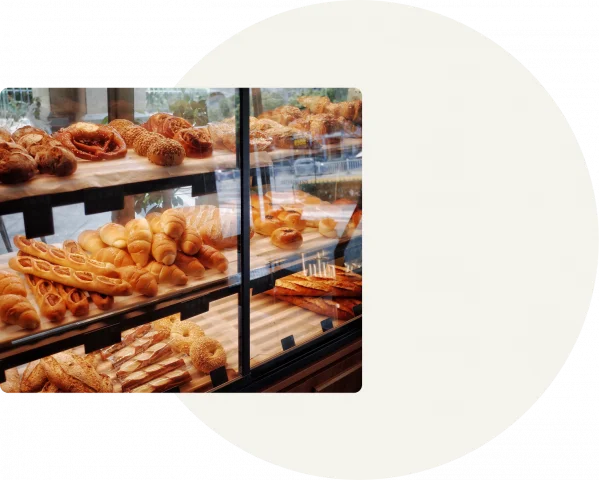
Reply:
x=167, y=273
x=191, y=241
x=16, y=310
x=173, y=223
x=116, y=256
x=140, y=279
x=11, y=283
x=114, y=235
x=154, y=221
x=210, y=257
x=164, y=249
x=189, y=265
x=90, y=241
x=139, y=240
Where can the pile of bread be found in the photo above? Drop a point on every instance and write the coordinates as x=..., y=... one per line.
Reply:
x=282, y=216
x=333, y=294
x=115, y=260
x=149, y=358
x=319, y=122
x=29, y=151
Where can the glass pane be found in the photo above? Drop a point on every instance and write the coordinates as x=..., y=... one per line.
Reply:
x=307, y=215
x=165, y=247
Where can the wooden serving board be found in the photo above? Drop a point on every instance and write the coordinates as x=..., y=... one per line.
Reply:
x=133, y=168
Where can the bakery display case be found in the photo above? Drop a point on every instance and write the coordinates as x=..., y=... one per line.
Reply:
x=177, y=239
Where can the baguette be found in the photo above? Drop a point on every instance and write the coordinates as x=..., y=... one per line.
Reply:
x=51, y=304
x=191, y=241
x=189, y=265
x=90, y=241
x=151, y=355
x=140, y=280
x=136, y=347
x=11, y=283
x=68, y=276
x=300, y=287
x=101, y=300
x=166, y=382
x=75, y=300
x=58, y=256
x=173, y=223
x=154, y=221
x=164, y=249
x=151, y=372
x=71, y=373
x=210, y=257
x=330, y=308
x=34, y=377
x=114, y=235
x=49, y=387
x=167, y=273
x=139, y=240
x=116, y=256
x=16, y=310
x=127, y=339
x=336, y=288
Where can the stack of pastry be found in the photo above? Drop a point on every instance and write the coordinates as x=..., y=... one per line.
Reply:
x=334, y=295
x=61, y=280
x=30, y=150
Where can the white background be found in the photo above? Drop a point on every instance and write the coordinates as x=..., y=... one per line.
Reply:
x=444, y=348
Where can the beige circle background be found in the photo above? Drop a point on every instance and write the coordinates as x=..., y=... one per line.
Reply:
x=480, y=248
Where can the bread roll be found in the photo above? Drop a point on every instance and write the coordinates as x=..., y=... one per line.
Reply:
x=267, y=225
x=166, y=153
x=116, y=256
x=139, y=240
x=90, y=241
x=164, y=248
x=52, y=306
x=328, y=227
x=292, y=219
x=75, y=300
x=16, y=310
x=210, y=257
x=191, y=241
x=154, y=221
x=167, y=273
x=173, y=223
x=113, y=235
x=286, y=238
x=11, y=283
x=189, y=265
x=221, y=232
x=140, y=279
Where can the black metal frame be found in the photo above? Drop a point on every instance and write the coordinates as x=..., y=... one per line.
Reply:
x=105, y=329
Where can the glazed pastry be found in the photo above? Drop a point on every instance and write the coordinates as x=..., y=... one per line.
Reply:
x=167, y=273
x=156, y=122
x=267, y=225
x=327, y=227
x=196, y=142
x=16, y=310
x=172, y=125
x=90, y=241
x=292, y=219
x=164, y=249
x=92, y=142
x=113, y=235
x=286, y=238
x=5, y=135
x=116, y=256
x=139, y=240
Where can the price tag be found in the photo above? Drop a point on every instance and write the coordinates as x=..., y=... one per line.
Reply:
x=219, y=376
x=326, y=324
x=288, y=342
